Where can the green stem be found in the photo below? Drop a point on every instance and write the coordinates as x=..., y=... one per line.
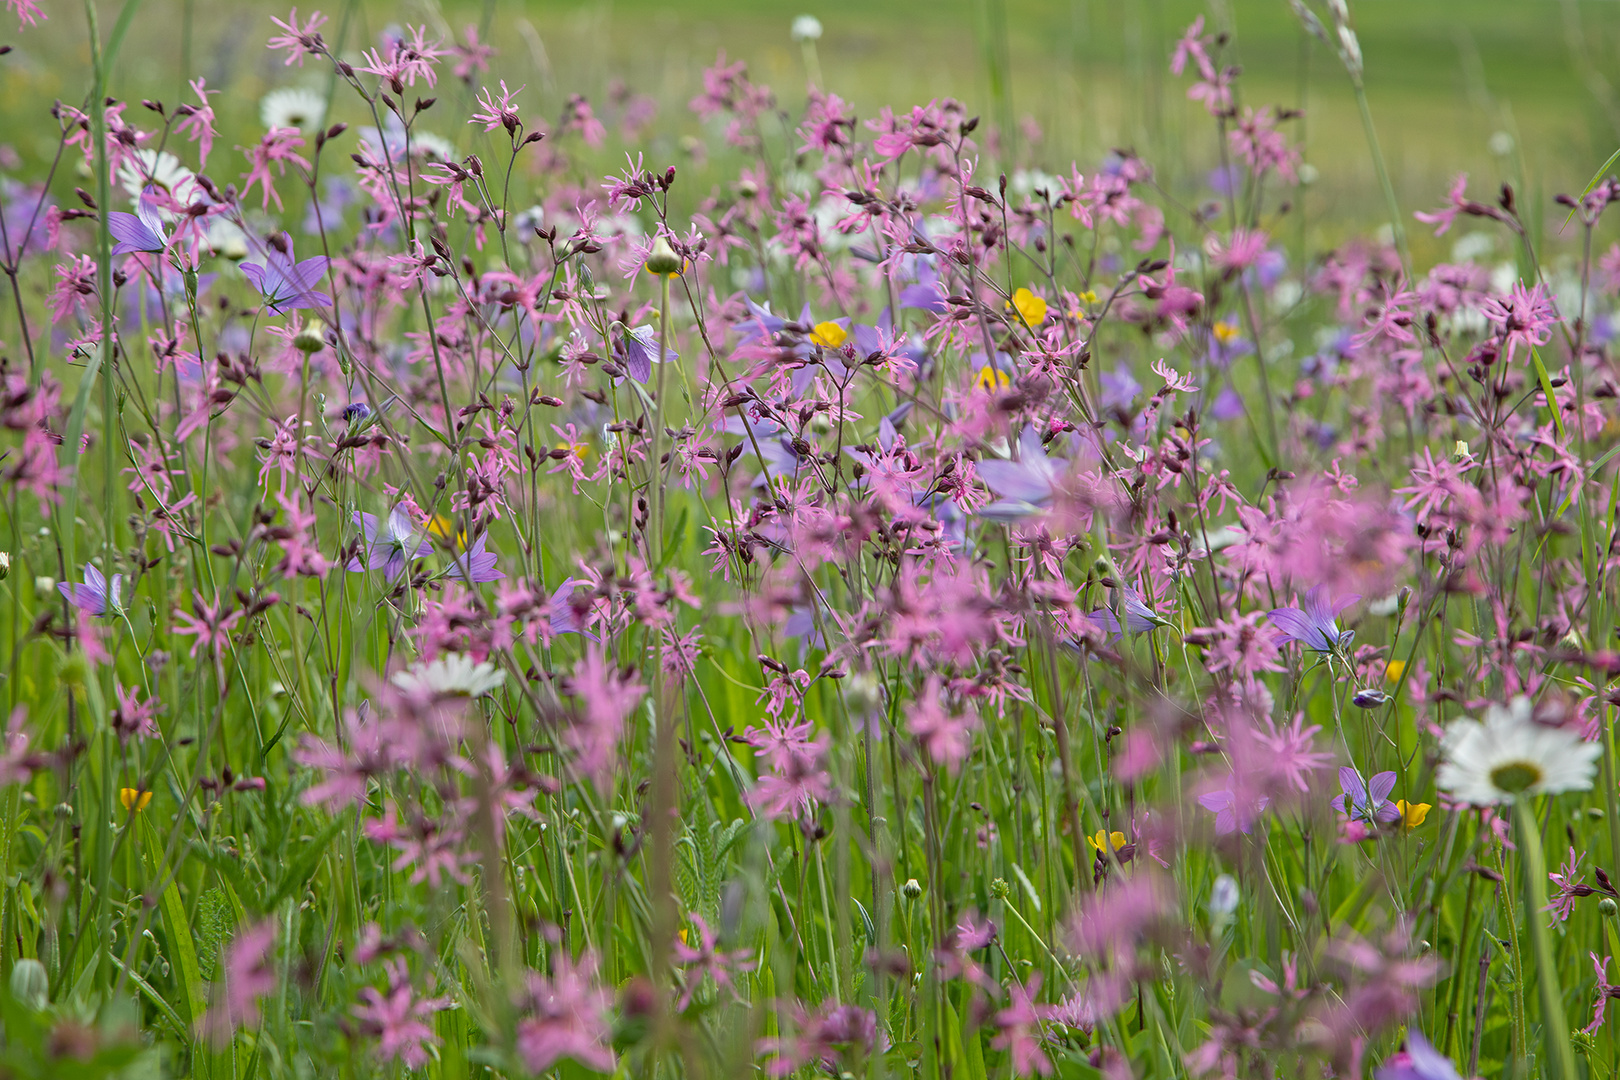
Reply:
x=1554, y=1025
x=1388, y=188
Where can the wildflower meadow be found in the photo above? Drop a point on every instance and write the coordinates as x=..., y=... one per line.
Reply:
x=498, y=590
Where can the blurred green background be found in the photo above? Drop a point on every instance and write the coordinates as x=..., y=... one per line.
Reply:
x=1515, y=90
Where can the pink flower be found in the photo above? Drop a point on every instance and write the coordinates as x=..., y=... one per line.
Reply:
x=607, y=696
x=495, y=113
x=1241, y=251
x=566, y=1016
x=1456, y=203
x=211, y=623
x=133, y=717
x=1526, y=317
x=946, y=737
x=797, y=785
x=198, y=120
x=1605, y=991
x=398, y=1019
x=299, y=41
x=247, y=977
x=1018, y=1030
x=28, y=12
x=708, y=960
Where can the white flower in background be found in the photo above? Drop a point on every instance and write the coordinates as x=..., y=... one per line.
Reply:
x=806, y=28
x=226, y=239
x=432, y=147
x=144, y=168
x=450, y=675
x=1510, y=754
x=292, y=107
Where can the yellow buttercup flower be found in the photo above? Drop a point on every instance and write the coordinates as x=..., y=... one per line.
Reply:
x=579, y=449
x=1031, y=308
x=1106, y=841
x=1226, y=332
x=829, y=335
x=444, y=527
x=1394, y=670
x=1412, y=814
x=134, y=799
x=991, y=380
x=1088, y=297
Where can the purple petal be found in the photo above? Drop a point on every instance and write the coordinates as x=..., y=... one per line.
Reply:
x=1350, y=782
x=1379, y=787
x=132, y=235
x=1015, y=480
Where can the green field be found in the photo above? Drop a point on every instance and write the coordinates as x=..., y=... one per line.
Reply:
x=1443, y=76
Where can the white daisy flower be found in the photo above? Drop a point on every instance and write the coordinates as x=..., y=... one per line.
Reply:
x=432, y=147
x=145, y=168
x=1510, y=754
x=292, y=107
x=226, y=239
x=450, y=675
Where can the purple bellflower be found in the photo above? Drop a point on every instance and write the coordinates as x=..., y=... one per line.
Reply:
x=287, y=285
x=1367, y=802
x=641, y=352
x=1026, y=485
x=390, y=546
x=140, y=231
x=1232, y=812
x=1138, y=616
x=1315, y=627
x=1418, y=1061
x=475, y=564
x=94, y=597
x=561, y=614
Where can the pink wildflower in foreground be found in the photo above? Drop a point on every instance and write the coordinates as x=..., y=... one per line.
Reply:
x=607, y=697
x=835, y=1037
x=399, y=1020
x=247, y=977
x=566, y=1016
x=945, y=737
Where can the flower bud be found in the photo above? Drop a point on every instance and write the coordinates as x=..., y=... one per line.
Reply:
x=30, y=984
x=5, y=565
x=806, y=28
x=44, y=587
x=1607, y=907
x=911, y=889
x=662, y=259
x=864, y=693
x=1224, y=896
x=1459, y=452
x=311, y=337
x=1000, y=889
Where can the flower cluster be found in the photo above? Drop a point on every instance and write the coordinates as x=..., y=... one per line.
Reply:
x=870, y=599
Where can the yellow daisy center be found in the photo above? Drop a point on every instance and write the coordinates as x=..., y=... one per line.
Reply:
x=1516, y=776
